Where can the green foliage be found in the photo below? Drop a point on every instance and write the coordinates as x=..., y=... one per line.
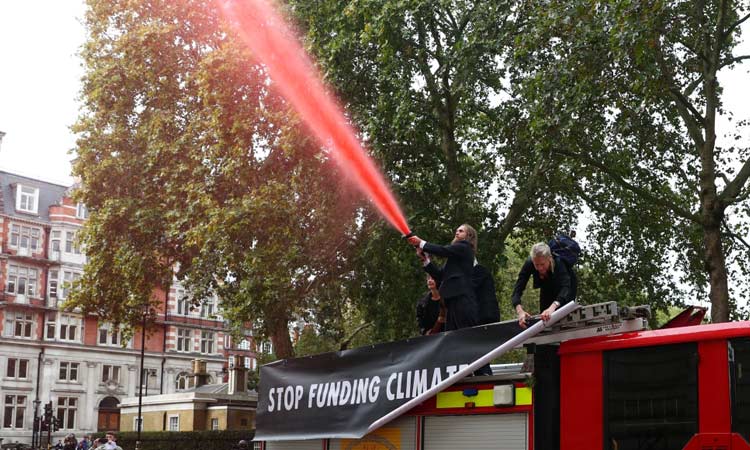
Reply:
x=426, y=83
x=182, y=440
x=188, y=161
x=631, y=92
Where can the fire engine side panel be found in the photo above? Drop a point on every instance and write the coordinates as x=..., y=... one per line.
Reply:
x=713, y=387
x=581, y=405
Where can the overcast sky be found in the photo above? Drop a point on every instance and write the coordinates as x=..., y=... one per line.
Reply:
x=39, y=85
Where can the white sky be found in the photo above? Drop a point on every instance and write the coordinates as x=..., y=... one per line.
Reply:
x=40, y=82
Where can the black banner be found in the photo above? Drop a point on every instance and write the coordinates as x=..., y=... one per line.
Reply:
x=339, y=395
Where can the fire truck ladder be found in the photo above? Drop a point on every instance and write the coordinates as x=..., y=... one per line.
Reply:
x=599, y=319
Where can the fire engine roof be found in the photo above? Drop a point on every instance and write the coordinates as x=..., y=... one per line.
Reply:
x=657, y=337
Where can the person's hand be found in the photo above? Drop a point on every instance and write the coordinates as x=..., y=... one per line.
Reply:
x=547, y=313
x=414, y=240
x=421, y=254
x=522, y=316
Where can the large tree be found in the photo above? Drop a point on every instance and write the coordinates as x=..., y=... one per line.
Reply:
x=192, y=168
x=425, y=82
x=632, y=91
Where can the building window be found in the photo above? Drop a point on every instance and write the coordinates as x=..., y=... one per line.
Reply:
x=19, y=324
x=70, y=243
x=69, y=326
x=215, y=424
x=244, y=345
x=21, y=280
x=27, y=199
x=55, y=240
x=208, y=307
x=52, y=285
x=109, y=336
x=14, y=411
x=184, y=340
x=149, y=376
x=81, y=211
x=110, y=373
x=68, y=371
x=69, y=278
x=183, y=303
x=25, y=237
x=174, y=423
x=184, y=381
x=17, y=368
x=257, y=445
x=66, y=412
x=207, y=342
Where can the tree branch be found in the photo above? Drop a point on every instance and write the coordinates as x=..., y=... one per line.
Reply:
x=733, y=60
x=731, y=234
x=618, y=179
x=687, y=111
x=348, y=341
x=734, y=26
x=732, y=190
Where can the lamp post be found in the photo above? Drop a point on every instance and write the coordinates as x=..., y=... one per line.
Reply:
x=139, y=418
x=35, y=433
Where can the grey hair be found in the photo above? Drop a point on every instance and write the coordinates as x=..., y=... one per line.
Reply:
x=540, y=250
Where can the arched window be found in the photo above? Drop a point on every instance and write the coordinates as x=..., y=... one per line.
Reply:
x=184, y=381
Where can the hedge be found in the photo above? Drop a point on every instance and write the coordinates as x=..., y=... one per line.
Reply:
x=182, y=440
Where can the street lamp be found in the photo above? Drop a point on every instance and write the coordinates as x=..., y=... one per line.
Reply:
x=139, y=418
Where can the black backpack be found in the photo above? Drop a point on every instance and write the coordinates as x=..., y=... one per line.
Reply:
x=565, y=248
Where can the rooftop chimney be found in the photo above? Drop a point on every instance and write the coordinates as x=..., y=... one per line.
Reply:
x=200, y=373
x=237, y=375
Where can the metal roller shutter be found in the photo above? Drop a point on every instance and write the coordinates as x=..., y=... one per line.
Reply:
x=480, y=432
x=315, y=444
x=400, y=434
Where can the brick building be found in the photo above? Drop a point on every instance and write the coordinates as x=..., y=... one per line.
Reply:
x=80, y=363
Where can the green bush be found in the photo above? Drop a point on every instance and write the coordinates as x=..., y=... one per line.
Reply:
x=182, y=440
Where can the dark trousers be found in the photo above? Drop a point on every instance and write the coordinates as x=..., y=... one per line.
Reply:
x=463, y=312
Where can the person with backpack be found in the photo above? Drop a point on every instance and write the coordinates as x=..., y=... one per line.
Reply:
x=552, y=276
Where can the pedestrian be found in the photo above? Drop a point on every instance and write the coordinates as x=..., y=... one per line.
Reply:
x=70, y=442
x=111, y=441
x=85, y=443
x=100, y=443
x=455, y=276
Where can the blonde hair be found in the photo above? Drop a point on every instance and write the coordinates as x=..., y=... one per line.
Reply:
x=542, y=250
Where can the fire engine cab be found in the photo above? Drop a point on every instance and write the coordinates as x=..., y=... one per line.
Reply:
x=621, y=388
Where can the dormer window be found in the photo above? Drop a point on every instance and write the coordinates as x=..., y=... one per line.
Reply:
x=27, y=199
x=81, y=211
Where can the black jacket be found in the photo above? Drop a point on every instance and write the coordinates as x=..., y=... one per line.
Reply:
x=455, y=276
x=558, y=286
x=428, y=311
x=484, y=289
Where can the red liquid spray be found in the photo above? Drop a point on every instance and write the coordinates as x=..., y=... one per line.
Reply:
x=272, y=42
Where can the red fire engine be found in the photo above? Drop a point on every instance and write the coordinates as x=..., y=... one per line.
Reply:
x=685, y=387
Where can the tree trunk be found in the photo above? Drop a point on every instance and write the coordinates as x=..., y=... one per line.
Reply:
x=282, y=342
x=717, y=274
